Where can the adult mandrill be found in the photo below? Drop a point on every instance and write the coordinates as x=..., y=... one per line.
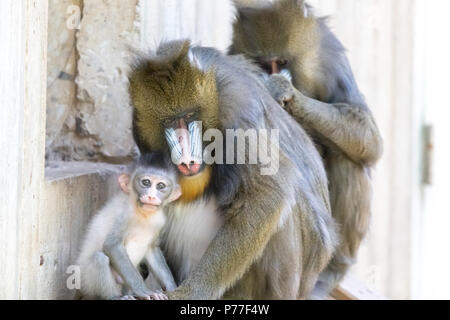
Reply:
x=235, y=233
x=285, y=37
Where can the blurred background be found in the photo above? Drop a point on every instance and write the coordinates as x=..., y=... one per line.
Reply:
x=400, y=54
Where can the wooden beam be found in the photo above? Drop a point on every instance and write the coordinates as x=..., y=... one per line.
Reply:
x=23, y=72
x=351, y=288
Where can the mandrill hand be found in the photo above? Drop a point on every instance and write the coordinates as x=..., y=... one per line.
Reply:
x=281, y=89
x=145, y=294
x=158, y=296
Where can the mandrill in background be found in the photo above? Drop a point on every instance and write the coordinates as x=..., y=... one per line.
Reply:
x=289, y=43
x=235, y=233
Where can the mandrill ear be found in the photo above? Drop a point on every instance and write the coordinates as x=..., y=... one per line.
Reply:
x=168, y=56
x=176, y=194
x=124, y=183
x=195, y=62
x=246, y=3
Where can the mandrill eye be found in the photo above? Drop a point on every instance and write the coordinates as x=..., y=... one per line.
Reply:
x=282, y=63
x=161, y=186
x=266, y=67
x=146, y=183
x=189, y=116
x=169, y=123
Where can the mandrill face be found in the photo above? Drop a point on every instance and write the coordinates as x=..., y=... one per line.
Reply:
x=279, y=37
x=184, y=136
x=174, y=101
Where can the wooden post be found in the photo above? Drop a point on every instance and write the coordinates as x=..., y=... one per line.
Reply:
x=23, y=72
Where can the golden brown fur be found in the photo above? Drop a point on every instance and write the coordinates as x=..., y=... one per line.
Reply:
x=194, y=187
x=177, y=90
x=265, y=25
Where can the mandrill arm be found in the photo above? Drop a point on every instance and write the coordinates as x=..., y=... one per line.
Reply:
x=349, y=127
x=249, y=227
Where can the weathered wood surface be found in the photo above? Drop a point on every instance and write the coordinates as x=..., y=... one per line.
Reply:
x=352, y=288
x=69, y=205
x=23, y=75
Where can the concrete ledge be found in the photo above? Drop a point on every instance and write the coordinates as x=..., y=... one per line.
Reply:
x=60, y=170
x=73, y=192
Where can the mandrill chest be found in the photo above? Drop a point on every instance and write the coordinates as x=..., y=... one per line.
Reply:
x=189, y=230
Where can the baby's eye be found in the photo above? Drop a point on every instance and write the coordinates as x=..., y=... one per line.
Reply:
x=161, y=186
x=146, y=183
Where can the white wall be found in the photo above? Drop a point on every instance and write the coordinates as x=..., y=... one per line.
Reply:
x=434, y=223
x=205, y=22
x=399, y=52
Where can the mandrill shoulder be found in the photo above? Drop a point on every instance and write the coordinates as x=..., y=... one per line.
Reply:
x=243, y=97
x=329, y=76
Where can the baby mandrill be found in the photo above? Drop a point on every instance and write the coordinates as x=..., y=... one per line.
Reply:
x=125, y=233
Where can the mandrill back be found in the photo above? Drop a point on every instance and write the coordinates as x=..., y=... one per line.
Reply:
x=275, y=232
x=246, y=104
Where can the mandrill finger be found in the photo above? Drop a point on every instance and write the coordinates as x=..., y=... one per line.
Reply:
x=154, y=296
x=162, y=296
